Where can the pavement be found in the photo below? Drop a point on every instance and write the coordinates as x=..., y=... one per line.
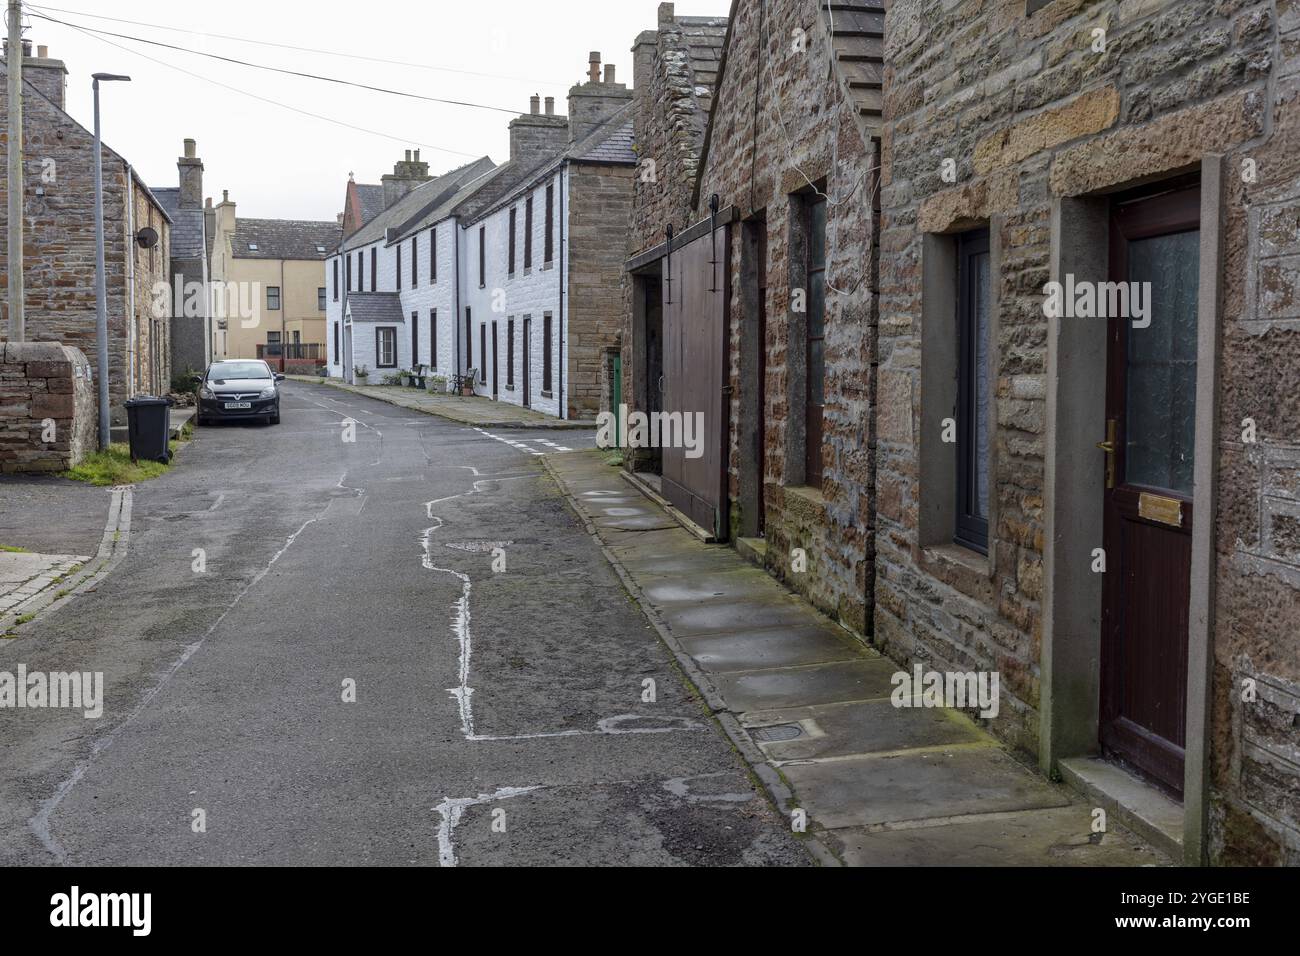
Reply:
x=400, y=649
x=465, y=409
x=810, y=708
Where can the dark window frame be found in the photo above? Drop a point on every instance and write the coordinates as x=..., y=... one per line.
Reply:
x=814, y=272
x=379, y=346
x=273, y=291
x=482, y=257
x=433, y=338
x=361, y=270
x=337, y=357
x=415, y=340
x=528, y=233
x=514, y=223
x=970, y=530
x=469, y=339
x=415, y=261
x=397, y=257
x=347, y=272
x=433, y=256
x=320, y=298
x=548, y=249
x=374, y=268
x=510, y=352
x=548, y=326
x=336, y=279
x=482, y=347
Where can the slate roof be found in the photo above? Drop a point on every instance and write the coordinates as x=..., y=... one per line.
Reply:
x=371, y=198
x=374, y=307
x=285, y=239
x=414, y=205
x=615, y=147
x=187, y=225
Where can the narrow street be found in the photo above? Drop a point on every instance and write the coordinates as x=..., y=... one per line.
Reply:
x=501, y=717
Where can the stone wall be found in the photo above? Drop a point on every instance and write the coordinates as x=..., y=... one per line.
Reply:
x=1030, y=108
x=59, y=246
x=600, y=206
x=764, y=163
x=47, y=407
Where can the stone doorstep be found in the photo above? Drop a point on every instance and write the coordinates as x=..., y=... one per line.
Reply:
x=1135, y=803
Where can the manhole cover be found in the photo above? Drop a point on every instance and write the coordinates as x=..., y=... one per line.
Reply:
x=770, y=735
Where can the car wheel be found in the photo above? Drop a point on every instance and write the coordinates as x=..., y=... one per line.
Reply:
x=201, y=421
x=275, y=418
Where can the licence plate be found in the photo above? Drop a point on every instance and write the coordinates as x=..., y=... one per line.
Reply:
x=235, y=406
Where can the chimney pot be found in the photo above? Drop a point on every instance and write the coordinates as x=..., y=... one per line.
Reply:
x=593, y=70
x=191, y=149
x=225, y=195
x=43, y=52
x=408, y=155
x=417, y=155
x=550, y=106
x=609, y=72
x=208, y=202
x=535, y=104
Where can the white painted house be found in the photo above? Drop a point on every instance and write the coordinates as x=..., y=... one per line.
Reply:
x=512, y=271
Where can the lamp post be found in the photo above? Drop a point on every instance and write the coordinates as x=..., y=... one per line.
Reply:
x=101, y=285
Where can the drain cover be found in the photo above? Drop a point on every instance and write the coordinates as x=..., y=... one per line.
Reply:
x=770, y=735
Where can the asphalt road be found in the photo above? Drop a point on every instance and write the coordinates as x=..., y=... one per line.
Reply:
x=499, y=715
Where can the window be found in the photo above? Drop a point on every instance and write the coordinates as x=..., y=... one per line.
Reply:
x=336, y=280
x=337, y=357
x=374, y=268
x=415, y=262
x=469, y=341
x=433, y=338
x=510, y=352
x=513, y=221
x=482, y=351
x=482, y=257
x=548, y=245
x=972, y=528
x=415, y=339
x=397, y=259
x=348, y=277
x=815, y=209
x=320, y=300
x=433, y=256
x=320, y=248
x=546, y=352
x=273, y=298
x=361, y=271
x=297, y=337
x=386, y=347
x=272, y=338
x=252, y=247
x=528, y=233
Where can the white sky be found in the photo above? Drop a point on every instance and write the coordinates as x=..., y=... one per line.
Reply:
x=281, y=164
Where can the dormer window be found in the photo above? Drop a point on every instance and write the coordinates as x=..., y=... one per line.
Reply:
x=320, y=248
x=252, y=247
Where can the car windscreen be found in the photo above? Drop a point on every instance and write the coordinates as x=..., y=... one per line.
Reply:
x=236, y=370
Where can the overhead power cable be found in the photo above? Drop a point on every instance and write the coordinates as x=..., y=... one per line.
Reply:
x=234, y=89
x=276, y=69
x=298, y=49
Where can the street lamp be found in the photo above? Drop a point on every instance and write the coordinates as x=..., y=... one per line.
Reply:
x=101, y=285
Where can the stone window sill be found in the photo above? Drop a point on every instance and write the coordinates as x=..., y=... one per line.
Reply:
x=956, y=554
x=807, y=497
x=546, y=394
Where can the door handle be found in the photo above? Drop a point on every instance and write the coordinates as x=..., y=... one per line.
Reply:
x=1108, y=446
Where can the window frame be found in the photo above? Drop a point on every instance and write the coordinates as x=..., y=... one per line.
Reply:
x=274, y=290
x=415, y=339
x=380, y=335
x=482, y=257
x=336, y=279
x=814, y=476
x=528, y=233
x=433, y=256
x=321, y=296
x=374, y=268
x=969, y=529
x=548, y=246
x=415, y=261
x=514, y=223
x=510, y=352
x=548, y=325
x=433, y=339
x=482, y=347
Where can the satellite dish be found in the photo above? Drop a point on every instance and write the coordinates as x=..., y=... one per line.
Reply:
x=147, y=237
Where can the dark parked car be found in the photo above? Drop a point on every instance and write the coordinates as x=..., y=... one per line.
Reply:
x=239, y=389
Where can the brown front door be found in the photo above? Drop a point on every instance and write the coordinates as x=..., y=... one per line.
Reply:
x=1151, y=426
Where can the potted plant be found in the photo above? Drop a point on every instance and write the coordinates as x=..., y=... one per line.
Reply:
x=436, y=384
x=360, y=374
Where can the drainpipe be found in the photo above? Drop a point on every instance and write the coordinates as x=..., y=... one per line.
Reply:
x=564, y=254
x=344, y=259
x=284, y=305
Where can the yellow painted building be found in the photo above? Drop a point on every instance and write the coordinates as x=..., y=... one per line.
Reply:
x=269, y=286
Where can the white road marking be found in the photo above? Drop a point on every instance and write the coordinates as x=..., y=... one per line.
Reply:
x=452, y=808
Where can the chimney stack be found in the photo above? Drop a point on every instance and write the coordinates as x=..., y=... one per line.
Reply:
x=550, y=106
x=534, y=104
x=609, y=72
x=190, y=168
x=48, y=76
x=406, y=175
x=593, y=68
x=594, y=102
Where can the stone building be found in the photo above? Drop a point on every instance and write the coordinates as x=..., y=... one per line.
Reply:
x=758, y=312
x=59, y=241
x=1113, y=527
x=503, y=270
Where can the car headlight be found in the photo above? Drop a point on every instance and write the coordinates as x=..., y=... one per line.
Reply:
x=206, y=392
x=268, y=392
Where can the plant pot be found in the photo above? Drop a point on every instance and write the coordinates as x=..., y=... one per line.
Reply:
x=362, y=379
x=467, y=391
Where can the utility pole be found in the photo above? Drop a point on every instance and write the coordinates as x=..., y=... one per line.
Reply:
x=14, y=68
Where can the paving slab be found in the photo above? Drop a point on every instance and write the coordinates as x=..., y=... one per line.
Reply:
x=759, y=649
x=755, y=612
x=23, y=575
x=730, y=585
x=917, y=785
x=813, y=684
x=861, y=727
x=1058, y=836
